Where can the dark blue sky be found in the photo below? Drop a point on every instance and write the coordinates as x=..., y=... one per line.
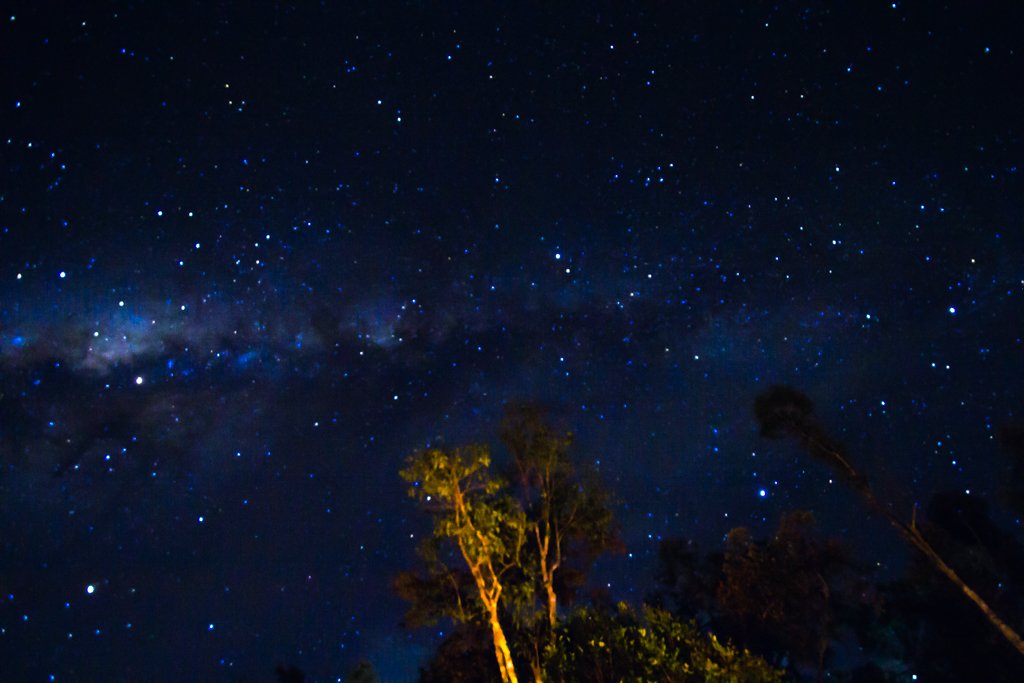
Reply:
x=254, y=254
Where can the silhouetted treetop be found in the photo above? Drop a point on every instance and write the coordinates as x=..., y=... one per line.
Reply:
x=779, y=408
x=783, y=411
x=289, y=674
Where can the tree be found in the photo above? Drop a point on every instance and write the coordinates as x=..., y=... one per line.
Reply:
x=568, y=512
x=438, y=592
x=787, y=597
x=466, y=655
x=289, y=674
x=689, y=579
x=486, y=527
x=569, y=520
x=960, y=527
x=1011, y=438
x=363, y=673
x=778, y=594
x=521, y=548
x=651, y=647
x=924, y=614
x=782, y=411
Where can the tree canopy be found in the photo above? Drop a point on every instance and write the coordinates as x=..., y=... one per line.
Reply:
x=506, y=553
x=513, y=541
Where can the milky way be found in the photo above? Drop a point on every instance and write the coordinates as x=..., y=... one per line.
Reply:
x=250, y=258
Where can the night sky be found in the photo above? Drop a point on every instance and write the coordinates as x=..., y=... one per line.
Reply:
x=254, y=254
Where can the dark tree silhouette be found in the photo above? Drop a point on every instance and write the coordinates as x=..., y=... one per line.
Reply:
x=438, y=592
x=782, y=411
x=1011, y=438
x=363, y=673
x=289, y=674
x=972, y=540
x=777, y=596
x=466, y=655
x=924, y=622
x=689, y=579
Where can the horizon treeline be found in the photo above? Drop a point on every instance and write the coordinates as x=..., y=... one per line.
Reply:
x=507, y=564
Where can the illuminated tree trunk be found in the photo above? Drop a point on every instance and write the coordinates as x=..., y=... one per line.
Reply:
x=489, y=533
x=490, y=592
x=538, y=674
x=547, y=577
x=489, y=587
x=501, y=651
x=552, y=606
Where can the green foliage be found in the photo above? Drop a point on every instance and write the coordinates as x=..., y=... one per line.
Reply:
x=486, y=527
x=458, y=486
x=505, y=556
x=523, y=547
x=655, y=647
